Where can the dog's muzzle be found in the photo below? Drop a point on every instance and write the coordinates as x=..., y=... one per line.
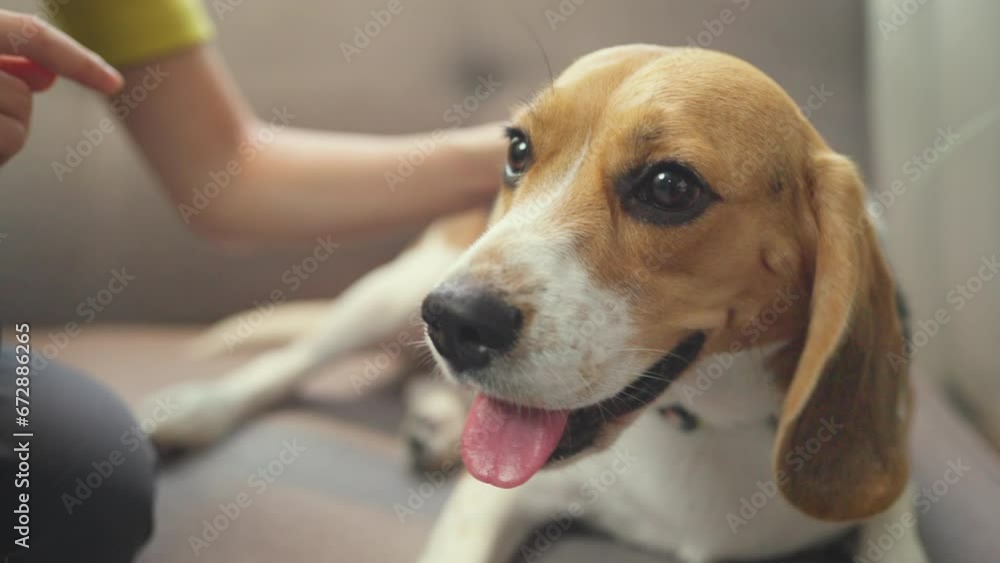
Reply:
x=470, y=324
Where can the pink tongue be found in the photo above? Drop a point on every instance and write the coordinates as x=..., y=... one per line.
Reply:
x=505, y=444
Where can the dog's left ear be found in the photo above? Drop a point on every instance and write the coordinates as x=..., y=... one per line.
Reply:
x=840, y=452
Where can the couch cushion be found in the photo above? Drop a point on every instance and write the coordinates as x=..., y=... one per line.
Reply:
x=331, y=494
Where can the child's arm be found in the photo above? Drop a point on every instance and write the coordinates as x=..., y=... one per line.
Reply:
x=296, y=184
x=194, y=124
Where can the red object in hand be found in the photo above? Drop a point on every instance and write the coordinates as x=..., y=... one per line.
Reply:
x=37, y=77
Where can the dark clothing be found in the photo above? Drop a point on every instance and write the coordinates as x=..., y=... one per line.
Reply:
x=89, y=472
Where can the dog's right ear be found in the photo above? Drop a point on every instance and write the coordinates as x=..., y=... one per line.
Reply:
x=849, y=393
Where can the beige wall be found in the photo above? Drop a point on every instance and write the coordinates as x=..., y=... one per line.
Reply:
x=65, y=238
x=934, y=66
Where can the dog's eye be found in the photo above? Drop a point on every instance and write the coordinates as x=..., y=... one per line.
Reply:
x=518, y=156
x=667, y=193
x=670, y=188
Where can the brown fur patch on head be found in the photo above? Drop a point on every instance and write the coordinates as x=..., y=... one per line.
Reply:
x=630, y=106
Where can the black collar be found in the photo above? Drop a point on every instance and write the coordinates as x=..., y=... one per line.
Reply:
x=585, y=424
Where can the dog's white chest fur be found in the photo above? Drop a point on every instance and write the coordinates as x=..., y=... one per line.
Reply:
x=684, y=492
x=706, y=493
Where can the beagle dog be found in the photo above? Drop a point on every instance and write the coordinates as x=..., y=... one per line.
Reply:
x=676, y=325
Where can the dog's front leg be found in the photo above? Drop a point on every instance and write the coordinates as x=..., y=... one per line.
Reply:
x=485, y=524
x=892, y=537
x=381, y=307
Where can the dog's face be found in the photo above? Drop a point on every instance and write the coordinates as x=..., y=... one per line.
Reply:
x=641, y=203
x=654, y=201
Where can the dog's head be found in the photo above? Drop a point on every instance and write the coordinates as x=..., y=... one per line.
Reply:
x=655, y=202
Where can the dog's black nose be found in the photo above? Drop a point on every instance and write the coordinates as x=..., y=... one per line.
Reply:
x=469, y=324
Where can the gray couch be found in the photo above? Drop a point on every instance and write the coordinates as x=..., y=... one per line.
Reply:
x=334, y=501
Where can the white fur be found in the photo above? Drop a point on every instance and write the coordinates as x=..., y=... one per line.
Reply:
x=728, y=389
x=685, y=495
x=704, y=495
x=281, y=325
x=896, y=520
x=435, y=415
x=376, y=308
x=574, y=352
x=662, y=488
x=658, y=487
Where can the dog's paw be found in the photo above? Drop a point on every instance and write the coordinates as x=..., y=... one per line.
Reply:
x=190, y=415
x=432, y=427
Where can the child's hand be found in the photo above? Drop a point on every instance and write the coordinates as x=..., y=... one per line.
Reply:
x=32, y=53
x=482, y=151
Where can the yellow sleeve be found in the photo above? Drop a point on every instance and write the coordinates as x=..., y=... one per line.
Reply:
x=132, y=31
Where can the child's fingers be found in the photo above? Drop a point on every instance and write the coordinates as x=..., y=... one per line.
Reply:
x=56, y=51
x=15, y=98
x=13, y=134
x=37, y=77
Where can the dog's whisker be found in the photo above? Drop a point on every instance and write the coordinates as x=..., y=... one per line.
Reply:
x=657, y=351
